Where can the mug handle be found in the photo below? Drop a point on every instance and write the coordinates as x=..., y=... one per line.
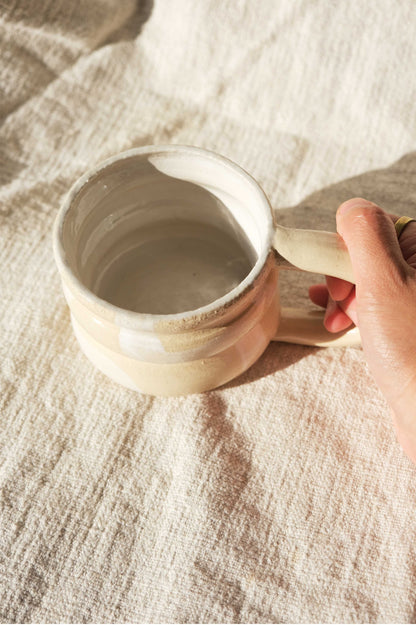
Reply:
x=318, y=252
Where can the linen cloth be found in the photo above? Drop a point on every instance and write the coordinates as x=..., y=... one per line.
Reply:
x=284, y=495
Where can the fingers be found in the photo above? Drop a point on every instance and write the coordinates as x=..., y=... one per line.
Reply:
x=349, y=306
x=335, y=320
x=408, y=244
x=338, y=315
x=318, y=294
x=372, y=244
x=338, y=289
x=377, y=258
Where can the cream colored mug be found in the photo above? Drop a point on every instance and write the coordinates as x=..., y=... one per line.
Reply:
x=169, y=259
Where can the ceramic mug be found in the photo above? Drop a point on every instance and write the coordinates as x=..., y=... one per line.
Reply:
x=169, y=259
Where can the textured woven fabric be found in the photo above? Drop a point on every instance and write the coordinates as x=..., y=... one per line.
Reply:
x=283, y=496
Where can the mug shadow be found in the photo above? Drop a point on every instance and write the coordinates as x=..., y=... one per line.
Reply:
x=133, y=26
x=392, y=188
x=277, y=356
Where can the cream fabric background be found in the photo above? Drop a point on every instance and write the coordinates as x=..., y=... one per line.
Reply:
x=283, y=496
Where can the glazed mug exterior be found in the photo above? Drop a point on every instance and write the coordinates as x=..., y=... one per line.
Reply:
x=195, y=350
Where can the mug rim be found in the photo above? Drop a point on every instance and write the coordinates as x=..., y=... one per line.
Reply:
x=147, y=319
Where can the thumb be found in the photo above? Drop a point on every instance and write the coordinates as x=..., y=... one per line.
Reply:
x=372, y=243
x=385, y=305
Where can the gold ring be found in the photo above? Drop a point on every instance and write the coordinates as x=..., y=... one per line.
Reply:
x=401, y=224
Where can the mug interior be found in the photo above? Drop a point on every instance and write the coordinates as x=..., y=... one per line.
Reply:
x=163, y=231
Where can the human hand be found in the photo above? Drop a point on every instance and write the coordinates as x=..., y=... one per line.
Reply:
x=382, y=304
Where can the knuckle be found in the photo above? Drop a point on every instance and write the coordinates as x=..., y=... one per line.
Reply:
x=370, y=216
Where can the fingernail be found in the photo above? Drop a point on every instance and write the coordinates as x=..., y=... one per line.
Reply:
x=350, y=204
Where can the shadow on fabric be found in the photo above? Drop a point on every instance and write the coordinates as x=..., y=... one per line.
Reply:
x=133, y=26
x=392, y=188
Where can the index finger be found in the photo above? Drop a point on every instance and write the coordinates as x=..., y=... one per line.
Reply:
x=338, y=289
